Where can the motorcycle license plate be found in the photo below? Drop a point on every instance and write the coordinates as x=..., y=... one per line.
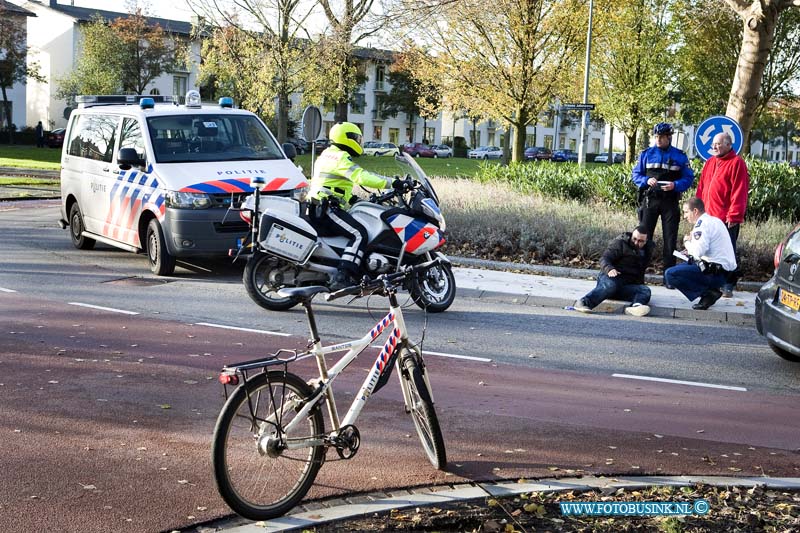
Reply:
x=287, y=243
x=789, y=299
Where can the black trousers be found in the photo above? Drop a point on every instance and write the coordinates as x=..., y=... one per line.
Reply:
x=668, y=208
x=337, y=221
x=733, y=277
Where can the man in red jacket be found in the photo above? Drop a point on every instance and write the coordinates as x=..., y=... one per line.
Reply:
x=723, y=188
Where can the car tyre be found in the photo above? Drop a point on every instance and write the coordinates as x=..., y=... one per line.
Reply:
x=76, y=228
x=784, y=354
x=162, y=263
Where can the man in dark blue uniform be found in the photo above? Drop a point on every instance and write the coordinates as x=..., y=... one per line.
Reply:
x=662, y=174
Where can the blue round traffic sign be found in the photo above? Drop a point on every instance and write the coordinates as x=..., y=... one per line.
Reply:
x=705, y=132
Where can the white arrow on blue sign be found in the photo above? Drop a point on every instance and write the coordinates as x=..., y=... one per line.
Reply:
x=705, y=132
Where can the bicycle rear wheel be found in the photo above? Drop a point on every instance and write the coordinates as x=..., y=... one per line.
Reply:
x=422, y=411
x=257, y=476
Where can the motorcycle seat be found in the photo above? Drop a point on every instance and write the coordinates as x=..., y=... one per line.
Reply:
x=302, y=293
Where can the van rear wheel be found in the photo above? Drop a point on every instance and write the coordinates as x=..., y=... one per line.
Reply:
x=162, y=263
x=76, y=228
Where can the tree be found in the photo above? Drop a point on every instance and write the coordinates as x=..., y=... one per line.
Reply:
x=126, y=55
x=350, y=22
x=259, y=52
x=146, y=51
x=504, y=63
x=760, y=19
x=409, y=95
x=631, y=66
x=14, y=67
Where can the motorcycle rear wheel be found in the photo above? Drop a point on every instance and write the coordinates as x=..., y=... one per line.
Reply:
x=434, y=289
x=263, y=278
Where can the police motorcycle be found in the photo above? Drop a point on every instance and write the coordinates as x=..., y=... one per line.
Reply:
x=405, y=227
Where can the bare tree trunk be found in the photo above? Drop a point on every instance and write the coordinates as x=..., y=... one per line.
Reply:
x=630, y=141
x=759, y=19
x=283, y=117
x=340, y=115
x=7, y=107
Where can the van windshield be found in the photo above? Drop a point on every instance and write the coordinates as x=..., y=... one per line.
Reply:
x=190, y=138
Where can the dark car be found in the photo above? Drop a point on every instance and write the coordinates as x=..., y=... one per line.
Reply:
x=778, y=302
x=561, y=156
x=301, y=145
x=55, y=138
x=538, y=153
x=418, y=150
x=320, y=145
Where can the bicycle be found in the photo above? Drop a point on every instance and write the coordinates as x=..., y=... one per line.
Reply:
x=270, y=442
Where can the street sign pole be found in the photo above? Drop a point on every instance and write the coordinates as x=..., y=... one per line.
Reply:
x=585, y=121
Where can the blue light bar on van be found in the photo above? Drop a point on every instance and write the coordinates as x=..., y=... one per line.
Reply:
x=147, y=103
x=122, y=99
x=226, y=101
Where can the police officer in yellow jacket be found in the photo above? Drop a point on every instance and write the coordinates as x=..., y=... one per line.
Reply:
x=331, y=195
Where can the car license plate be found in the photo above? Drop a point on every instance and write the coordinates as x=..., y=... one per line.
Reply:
x=789, y=299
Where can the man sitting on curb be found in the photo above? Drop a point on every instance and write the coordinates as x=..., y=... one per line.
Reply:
x=622, y=277
x=711, y=257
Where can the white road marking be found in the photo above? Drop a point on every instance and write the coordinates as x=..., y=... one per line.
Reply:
x=680, y=382
x=450, y=355
x=101, y=308
x=3, y=289
x=277, y=333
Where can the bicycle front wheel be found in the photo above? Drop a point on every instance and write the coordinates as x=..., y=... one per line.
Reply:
x=422, y=412
x=263, y=471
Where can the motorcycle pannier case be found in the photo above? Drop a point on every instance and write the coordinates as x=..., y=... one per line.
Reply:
x=286, y=240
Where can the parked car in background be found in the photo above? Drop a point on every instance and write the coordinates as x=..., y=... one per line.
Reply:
x=537, y=153
x=618, y=157
x=418, y=150
x=795, y=164
x=301, y=145
x=442, y=150
x=778, y=301
x=320, y=145
x=561, y=156
x=379, y=149
x=485, y=152
x=55, y=138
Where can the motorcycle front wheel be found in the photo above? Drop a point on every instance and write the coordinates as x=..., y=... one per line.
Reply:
x=263, y=276
x=434, y=289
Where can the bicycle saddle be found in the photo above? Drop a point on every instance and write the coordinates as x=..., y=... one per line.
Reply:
x=302, y=293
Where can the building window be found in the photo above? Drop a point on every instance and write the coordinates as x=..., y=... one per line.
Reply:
x=380, y=75
x=394, y=135
x=180, y=85
x=377, y=133
x=530, y=140
x=430, y=135
x=548, y=141
x=491, y=138
x=410, y=134
x=155, y=92
x=595, y=145
x=358, y=104
x=562, y=140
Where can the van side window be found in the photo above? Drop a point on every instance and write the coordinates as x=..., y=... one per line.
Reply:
x=93, y=137
x=131, y=136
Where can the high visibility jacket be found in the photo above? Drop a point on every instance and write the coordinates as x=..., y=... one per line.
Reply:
x=335, y=174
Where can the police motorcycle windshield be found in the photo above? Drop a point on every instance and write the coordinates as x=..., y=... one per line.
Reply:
x=410, y=167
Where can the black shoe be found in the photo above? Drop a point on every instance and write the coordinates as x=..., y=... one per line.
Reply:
x=708, y=299
x=341, y=281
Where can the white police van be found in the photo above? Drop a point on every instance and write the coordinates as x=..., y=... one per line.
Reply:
x=160, y=178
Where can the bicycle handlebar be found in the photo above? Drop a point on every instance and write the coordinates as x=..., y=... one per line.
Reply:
x=385, y=281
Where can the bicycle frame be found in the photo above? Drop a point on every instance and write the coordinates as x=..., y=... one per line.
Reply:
x=396, y=340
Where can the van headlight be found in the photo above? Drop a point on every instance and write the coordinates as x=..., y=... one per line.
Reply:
x=187, y=200
x=300, y=193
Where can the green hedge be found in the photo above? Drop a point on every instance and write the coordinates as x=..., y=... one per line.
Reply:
x=774, y=188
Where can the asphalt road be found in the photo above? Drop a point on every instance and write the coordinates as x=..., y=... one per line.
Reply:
x=107, y=417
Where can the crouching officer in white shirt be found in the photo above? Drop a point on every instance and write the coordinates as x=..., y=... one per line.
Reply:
x=711, y=257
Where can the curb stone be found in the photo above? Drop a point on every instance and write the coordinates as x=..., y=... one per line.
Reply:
x=331, y=510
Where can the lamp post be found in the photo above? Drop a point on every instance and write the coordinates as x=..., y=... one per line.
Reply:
x=585, y=121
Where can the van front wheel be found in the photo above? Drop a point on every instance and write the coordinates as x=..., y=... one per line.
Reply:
x=162, y=263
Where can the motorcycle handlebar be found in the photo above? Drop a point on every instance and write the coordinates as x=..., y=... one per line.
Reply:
x=384, y=281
